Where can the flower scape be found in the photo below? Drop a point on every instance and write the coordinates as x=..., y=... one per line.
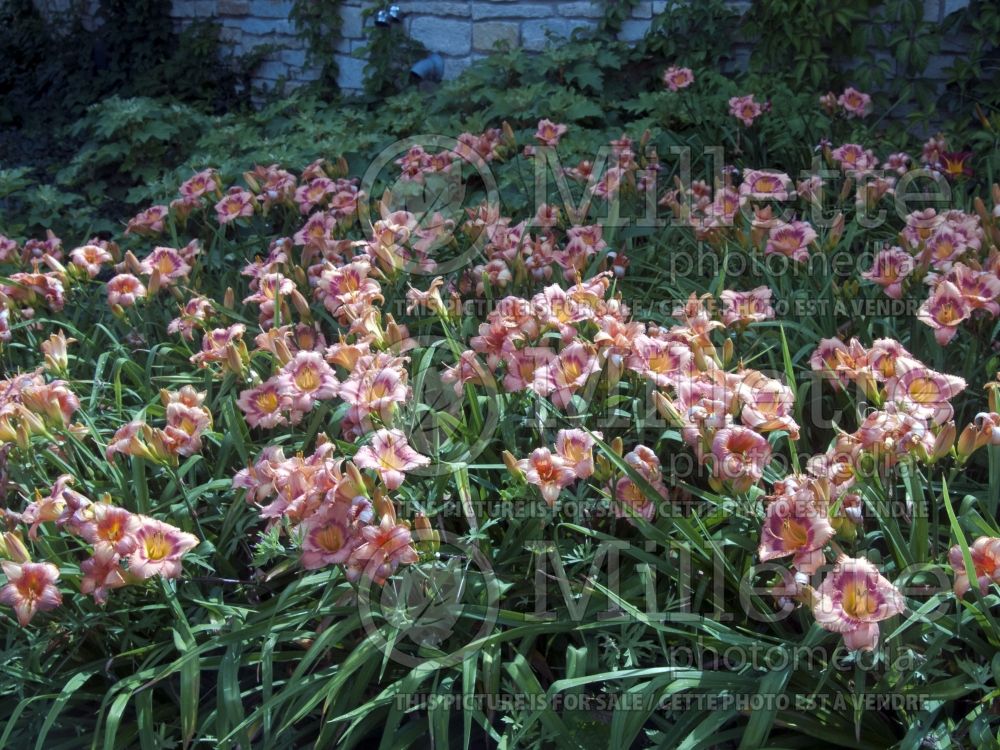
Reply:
x=279, y=394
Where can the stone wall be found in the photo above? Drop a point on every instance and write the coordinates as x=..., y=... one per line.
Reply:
x=461, y=31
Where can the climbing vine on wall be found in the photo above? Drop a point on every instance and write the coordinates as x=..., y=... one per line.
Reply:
x=319, y=22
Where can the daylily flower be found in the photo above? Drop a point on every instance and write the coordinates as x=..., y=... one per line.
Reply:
x=237, y=204
x=124, y=289
x=115, y=527
x=385, y=547
x=391, y=456
x=159, y=549
x=101, y=573
x=854, y=102
x=890, y=269
x=266, y=405
x=549, y=133
x=676, y=78
x=985, y=553
x=567, y=374
x=549, y=473
x=576, y=448
x=922, y=392
x=90, y=258
x=740, y=455
x=30, y=588
x=743, y=308
x=943, y=311
x=745, y=109
x=954, y=164
x=853, y=599
x=795, y=526
x=306, y=380
x=328, y=539
x=791, y=240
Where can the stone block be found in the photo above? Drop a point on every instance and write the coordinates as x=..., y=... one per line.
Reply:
x=353, y=23
x=487, y=34
x=535, y=34
x=447, y=36
x=271, y=8
x=453, y=66
x=351, y=72
x=433, y=8
x=633, y=30
x=233, y=8
x=511, y=10
x=581, y=10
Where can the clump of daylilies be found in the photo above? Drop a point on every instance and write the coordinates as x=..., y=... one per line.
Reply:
x=333, y=513
x=317, y=340
x=125, y=548
x=187, y=419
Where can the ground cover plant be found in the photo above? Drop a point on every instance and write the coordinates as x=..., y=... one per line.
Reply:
x=518, y=421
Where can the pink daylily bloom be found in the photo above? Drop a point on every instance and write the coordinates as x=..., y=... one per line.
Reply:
x=124, y=289
x=576, y=448
x=854, y=102
x=391, y=456
x=743, y=308
x=159, y=549
x=676, y=78
x=944, y=311
x=853, y=599
x=795, y=526
x=740, y=457
x=890, y=269
x=101, y=573
x=549, y=133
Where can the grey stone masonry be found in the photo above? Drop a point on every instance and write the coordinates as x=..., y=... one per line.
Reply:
x=459, y=30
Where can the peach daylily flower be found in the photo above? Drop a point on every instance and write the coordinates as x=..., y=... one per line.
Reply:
x=576, y=448
x=90, y=258
x=124, y=289
x=985, y=553
x=30, y=588
x=547, y=472
x=384, y=548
